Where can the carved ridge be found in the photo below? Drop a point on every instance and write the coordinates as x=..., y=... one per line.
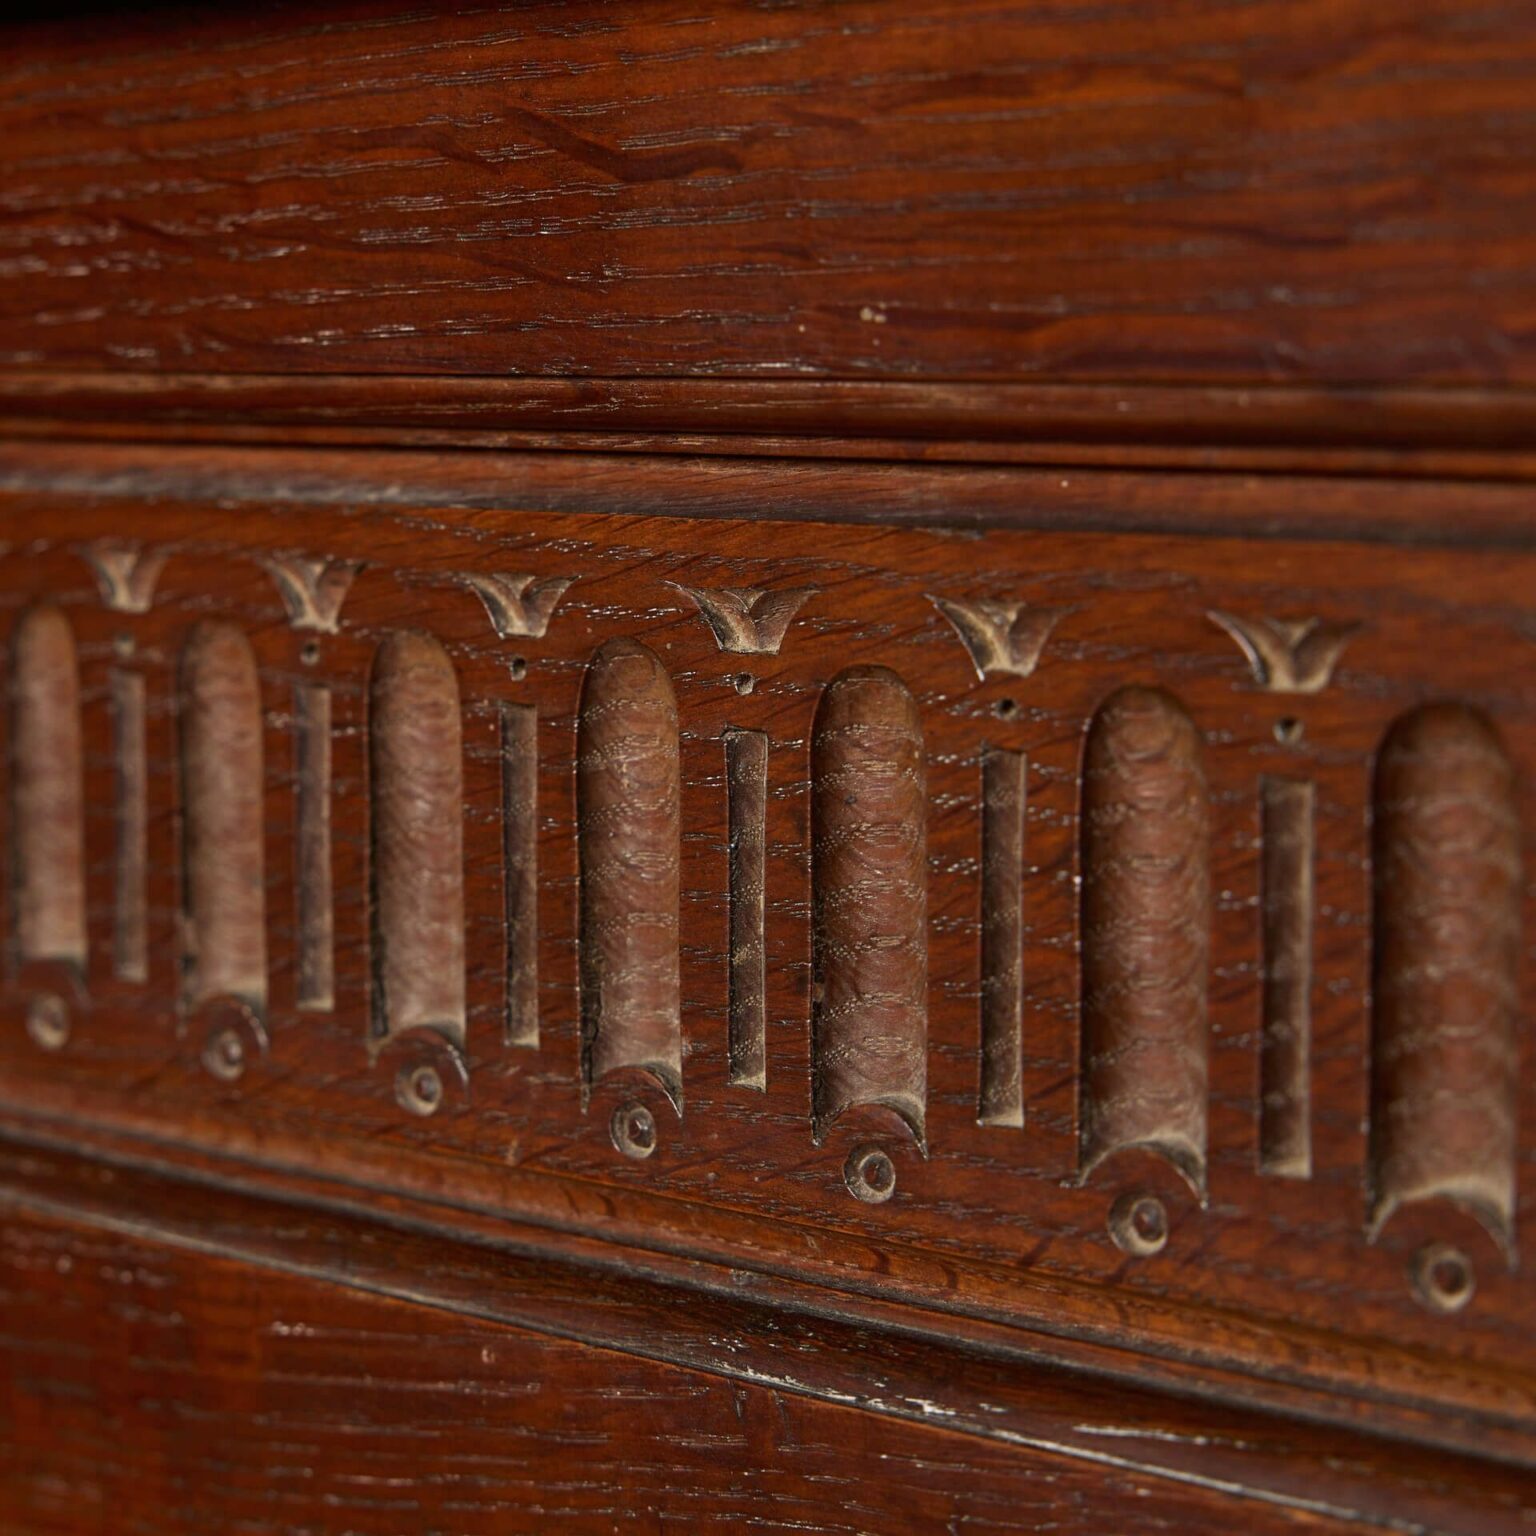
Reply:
x=224, y=915
x=869, y=902
x=1444, y=1052
x=629, y=838
x=1146, y=916
x=417, y=837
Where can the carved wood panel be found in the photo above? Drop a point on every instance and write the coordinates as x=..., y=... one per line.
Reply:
x=1122, y=935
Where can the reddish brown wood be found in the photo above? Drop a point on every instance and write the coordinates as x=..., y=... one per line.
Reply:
x=947, y=590
x=228, y=1266
x=1300, y=190
x=994, y=1223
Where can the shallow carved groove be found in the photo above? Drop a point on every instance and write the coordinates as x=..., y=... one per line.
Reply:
x=312, y=815
x=417, y=837
x=628, y=790
x=130, y=920
x=48, y=812
x=1285, y=1096
x=520, y=850
x=1146, y=918
x=1002, y=939
x=224, y=931
x=746, y=784
x=1446, y=853
x=869, y=1018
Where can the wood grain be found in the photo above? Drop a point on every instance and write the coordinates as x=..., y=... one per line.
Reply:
x=993, y=1224
x=1301, y=190
x=212, y=1261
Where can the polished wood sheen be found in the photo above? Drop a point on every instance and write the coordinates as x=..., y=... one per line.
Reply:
x=768, y=767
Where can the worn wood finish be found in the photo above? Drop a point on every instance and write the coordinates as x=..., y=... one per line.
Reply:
x=1301, y=190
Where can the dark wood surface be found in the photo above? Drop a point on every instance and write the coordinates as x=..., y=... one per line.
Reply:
x=1315, y=191
x=769, y=769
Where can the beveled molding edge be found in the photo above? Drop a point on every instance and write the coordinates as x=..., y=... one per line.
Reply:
x=965, y=1376
x=1291, y=1373
x=1362, y=429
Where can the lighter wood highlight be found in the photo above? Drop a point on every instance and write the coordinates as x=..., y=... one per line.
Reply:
x=628, y=792
x=1001, y=1100
x=224, y=897
x=869, y=901
x=47, y=791
x=1146, y=919
x=417, y=840
x=1444, y=1052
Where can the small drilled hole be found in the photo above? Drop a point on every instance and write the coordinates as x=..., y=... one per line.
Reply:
x=48, y=1021
x=1443, y=1277
x=123, y=645
x=224, y=1054
x=633, y=1129
x=744, y=682
x=419, y=1090
x=1138, y=1224
x=517, y=668
x=1006, y=709
x=1289, y=731
x=310, y=653
x=870, y=1175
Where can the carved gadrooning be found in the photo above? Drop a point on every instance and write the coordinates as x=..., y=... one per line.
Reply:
x=1446, y=855
x=47, y=795
x=629, y=829
x=869, y=885
x=1146, y=917
x=417, y=837
x=224, y=921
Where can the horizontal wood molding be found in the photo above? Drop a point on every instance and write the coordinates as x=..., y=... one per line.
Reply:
x=1216, y=503
x=756, y=1331
x=1472, y=432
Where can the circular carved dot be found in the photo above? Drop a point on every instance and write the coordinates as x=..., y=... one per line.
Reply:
x=48, y=1021
x=517, y=668
x=870, y=1175
x=224, y=1054
x=1139, y=1225
x=744, y=682
x=1006, y=709
x=633, y=1129
x=1443, y=1277
x=1289, y=731
x=310, y=653
x=123, y=646
x=419, y=1090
